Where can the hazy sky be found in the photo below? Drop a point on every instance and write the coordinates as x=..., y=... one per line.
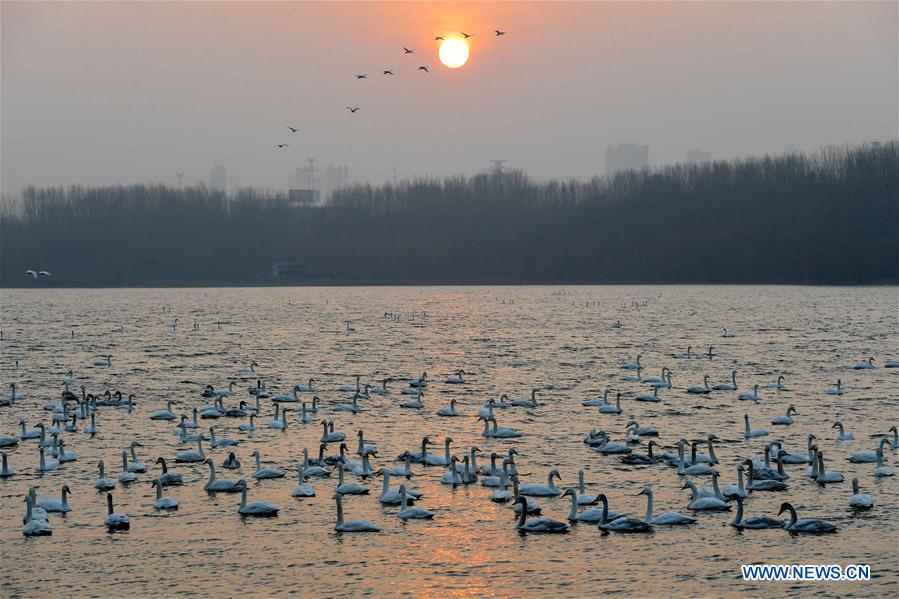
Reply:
x=111, y=92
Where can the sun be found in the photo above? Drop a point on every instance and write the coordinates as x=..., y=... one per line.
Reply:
x=453, y=53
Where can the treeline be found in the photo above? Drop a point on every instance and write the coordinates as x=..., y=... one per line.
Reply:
x=828, y=217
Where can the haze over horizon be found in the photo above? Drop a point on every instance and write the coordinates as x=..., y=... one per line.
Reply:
x=132, y=92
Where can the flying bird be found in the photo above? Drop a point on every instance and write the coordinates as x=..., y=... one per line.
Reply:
x=408, y=51
x=499, y=33
x=439, y=37
x=282, y=146
x=292, y=130
x=466, y=35
x=361, y=77
x=31, y=273
x=352, y=109
x=424, y=68
x=388, y=72
x=44, y=273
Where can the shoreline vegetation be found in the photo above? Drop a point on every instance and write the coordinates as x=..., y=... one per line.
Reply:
x=824, y=218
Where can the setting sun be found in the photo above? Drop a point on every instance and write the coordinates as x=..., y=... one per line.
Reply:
x=453, y=53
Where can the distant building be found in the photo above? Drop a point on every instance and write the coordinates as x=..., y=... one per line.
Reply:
x=304, y=198
x=303, y=179
x=218, y=178
x=698, y=157
x=629, y=156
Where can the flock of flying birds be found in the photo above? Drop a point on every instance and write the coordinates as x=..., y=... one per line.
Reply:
x=84, y=412
x=390, y=72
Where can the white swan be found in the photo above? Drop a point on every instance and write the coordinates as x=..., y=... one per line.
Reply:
x=497, y=431
x=607, y=447
x=693, y=469
x=351, y=525
x=51, y=504
x=859, y=500
x=390, y=496
x=609, y=408
x=762, y=485
x=658, y=379
x=526, y=403
x=584, y=498
x=704, y=388
x=737, y=489
x=450, y=475
x=279, y=423
x=457, y=378
x=754, y=396
x=866, y=365
x=287, y=398
x=597, y=402
x=634, y=378
x=731, y=386
x=136, y=465
x=538, y=490
x=753, y=433
x=787, y=419
x=633, y=365
x=166, y=414
x=868, y=457
x=351, y=388
x=330, y=435
x=126, y=476
x=880, y=470
x=302, y=489
x=219, y=485
x=705, y=503
x=779, y=384
x=665, y=518
x=106, y=361
x=345, y=488
x=103, y=482
x=263, y=473
x=804, y=525
x=621, y=523
x=727, y=334
x=250, y=370
x=29, y=433
x=752, y=522
x=843, y=434
x=415, y=404
x=115, y=520
x=411, y=513
x=649, y=397
x=307, y=388
x=250, y=426
x=189, y=456
x=835, y=389
x=588, y=515
x=540, y=525
x=686, y=356
x=256, y=508
x=449, y=410
x=163, y=503
x=169, y=478
x=382, y=390
x=34, y=527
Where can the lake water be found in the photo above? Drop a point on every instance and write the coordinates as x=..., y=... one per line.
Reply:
x=559, y=340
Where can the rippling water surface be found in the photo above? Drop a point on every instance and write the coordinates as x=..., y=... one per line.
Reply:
x=510, y=339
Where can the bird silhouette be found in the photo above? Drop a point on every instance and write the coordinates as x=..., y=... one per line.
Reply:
x=466, y=35
x=31, y=273
x=408, y=51
x=388, y=72
x=439, y=37
x=499, y=33
x=44, y=273
x=361, y=76
x=282, y=146
x=352, y=109
x=424, y=68
x=292, y=130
